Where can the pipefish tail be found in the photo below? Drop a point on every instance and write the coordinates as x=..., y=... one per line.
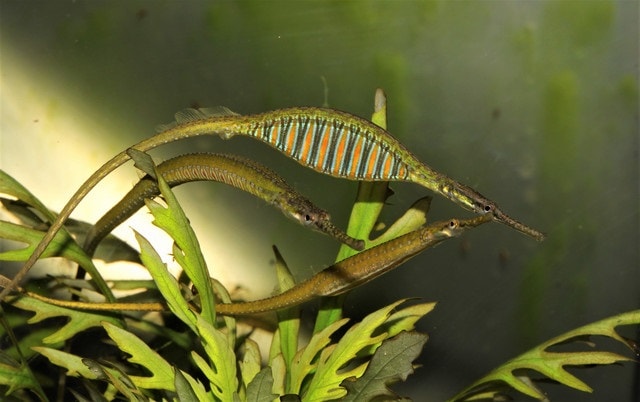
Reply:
x=232, y=170
x=326, y=140
x=334, y=280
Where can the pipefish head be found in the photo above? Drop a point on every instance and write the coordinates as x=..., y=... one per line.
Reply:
x=471, y=199
x=310, y=216
x=454, y=227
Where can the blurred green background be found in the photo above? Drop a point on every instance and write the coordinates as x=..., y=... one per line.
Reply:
x=533, y=103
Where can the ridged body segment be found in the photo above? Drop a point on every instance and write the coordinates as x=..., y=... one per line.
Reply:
x=333, y=143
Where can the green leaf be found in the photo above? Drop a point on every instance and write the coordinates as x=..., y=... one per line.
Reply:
x=222, y=373
x=415, y=217
x=62, y=244
x=186, y=248
x=250, y=363
x=166, y=283
x=18, y=376
x=119, y=379
x=331, y=369
x=111, y=248
x=391, y=363
x=183, y=388
x=162, y=374
x=279, y=373
x=306, y=359
x=259, y=390
x=344, y=359
x=289, y=319
x=197, y=388
x=86, y=368
x=551, y=364
x=77, y=323
x=74, y=364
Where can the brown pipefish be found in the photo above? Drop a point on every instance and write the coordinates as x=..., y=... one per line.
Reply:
x=326, y=140
x=232, y=170
x=334, y=280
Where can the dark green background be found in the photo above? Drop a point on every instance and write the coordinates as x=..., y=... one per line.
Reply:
x=533, y=103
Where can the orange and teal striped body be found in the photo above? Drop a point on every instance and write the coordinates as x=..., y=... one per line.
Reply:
x=347, y=146
x=333, y=143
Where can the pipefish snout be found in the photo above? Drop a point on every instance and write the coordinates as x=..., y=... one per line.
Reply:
x=476, y=202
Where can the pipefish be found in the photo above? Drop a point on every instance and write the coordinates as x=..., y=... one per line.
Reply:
x=327, y=140
x=241, y=173
x=334, y=280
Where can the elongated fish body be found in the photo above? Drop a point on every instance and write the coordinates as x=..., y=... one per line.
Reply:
x=326, y=140
x=342, y=145
x=334, y=280
x=358, y=269
x=235, y=171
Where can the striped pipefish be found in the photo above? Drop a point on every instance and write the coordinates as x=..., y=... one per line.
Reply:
x=235, y=171
x=326, y=140
x=343, y=145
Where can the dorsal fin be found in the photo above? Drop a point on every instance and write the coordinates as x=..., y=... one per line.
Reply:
x=190, y=114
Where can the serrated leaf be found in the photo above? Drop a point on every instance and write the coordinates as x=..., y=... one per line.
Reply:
x=405, y=319
x=74, y=364
x=166, y=283
x=161, y=371
x=17, y=377
x=78, y=321
x=552, y=364
x=197, y=388
x=222, y=375
x=400, y=320
x=305, y=361
x=391, y=363
x=120, y=380
x=259, y=389
x=186, y=248
x=331, y=371
x=62, y=244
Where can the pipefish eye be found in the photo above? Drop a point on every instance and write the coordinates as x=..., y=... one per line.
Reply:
x=453, y=224
x=485, y=208
x=306, y=218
